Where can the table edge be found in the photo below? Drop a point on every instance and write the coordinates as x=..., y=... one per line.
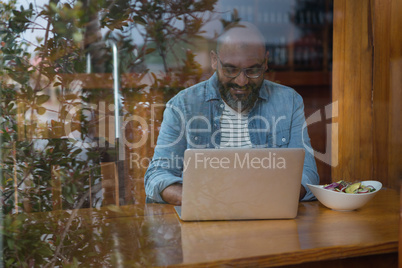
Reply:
x=304, y=256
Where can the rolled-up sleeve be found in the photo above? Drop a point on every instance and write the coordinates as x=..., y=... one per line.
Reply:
x=167, y=163
x=300, y=139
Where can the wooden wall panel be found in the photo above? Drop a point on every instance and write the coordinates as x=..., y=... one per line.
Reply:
x=352, y=78
x=381, y=93
x=387, y=93
x=387, y=84
x=367, y=82
x=395, y=139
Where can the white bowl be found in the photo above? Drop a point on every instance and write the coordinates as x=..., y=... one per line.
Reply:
x=343, y=201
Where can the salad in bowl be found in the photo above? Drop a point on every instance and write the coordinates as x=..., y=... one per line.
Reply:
x=350, y=187
x=345, y=196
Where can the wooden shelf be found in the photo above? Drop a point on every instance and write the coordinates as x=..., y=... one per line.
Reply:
x=295, y=78
x=297, y=34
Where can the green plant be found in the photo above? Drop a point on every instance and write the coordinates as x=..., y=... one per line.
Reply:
x=42, y=167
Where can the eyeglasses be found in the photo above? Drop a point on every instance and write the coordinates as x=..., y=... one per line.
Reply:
x=233, y=72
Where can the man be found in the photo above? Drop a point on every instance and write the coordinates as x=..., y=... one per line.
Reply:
x=236, y=107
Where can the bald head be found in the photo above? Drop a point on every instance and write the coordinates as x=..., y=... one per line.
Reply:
x=240, y=60
x=242, y=36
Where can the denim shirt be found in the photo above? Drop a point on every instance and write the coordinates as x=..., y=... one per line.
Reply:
x=192, y=120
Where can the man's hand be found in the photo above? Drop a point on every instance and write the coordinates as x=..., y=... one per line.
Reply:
x=172, y=194
x=302, y=192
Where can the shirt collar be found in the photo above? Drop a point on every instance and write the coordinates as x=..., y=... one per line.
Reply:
x=213, y=94
x=264, y=90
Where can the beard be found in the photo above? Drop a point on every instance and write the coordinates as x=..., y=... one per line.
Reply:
x=239, y=102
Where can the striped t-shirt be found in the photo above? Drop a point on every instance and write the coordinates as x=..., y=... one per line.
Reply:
x=234, y=129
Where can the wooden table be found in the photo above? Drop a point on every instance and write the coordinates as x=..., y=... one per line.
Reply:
x=152, y=235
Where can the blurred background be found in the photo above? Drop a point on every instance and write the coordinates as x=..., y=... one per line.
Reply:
x=83, y=86
x=77, y=76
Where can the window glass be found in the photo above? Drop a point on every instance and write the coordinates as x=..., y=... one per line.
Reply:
x=83, y=90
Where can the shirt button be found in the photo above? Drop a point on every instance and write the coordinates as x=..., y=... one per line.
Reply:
x=283, y=139
x=196, y=138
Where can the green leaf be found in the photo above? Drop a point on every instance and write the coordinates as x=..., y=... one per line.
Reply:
x=139, y=20
x=150, y=50
x=9, y=262
x=8, y=57
x=40, y=110
x=70, y=199
x=18, y=77
x=6, y=136
x=42, y=99
x=74, y=189
x=10, y=243
x=70, y=96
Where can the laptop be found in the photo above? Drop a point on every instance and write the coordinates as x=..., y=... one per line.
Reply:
x=241, y=183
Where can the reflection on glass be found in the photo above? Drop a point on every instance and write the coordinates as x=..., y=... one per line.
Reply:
x=212, y=241
x=59, y=150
